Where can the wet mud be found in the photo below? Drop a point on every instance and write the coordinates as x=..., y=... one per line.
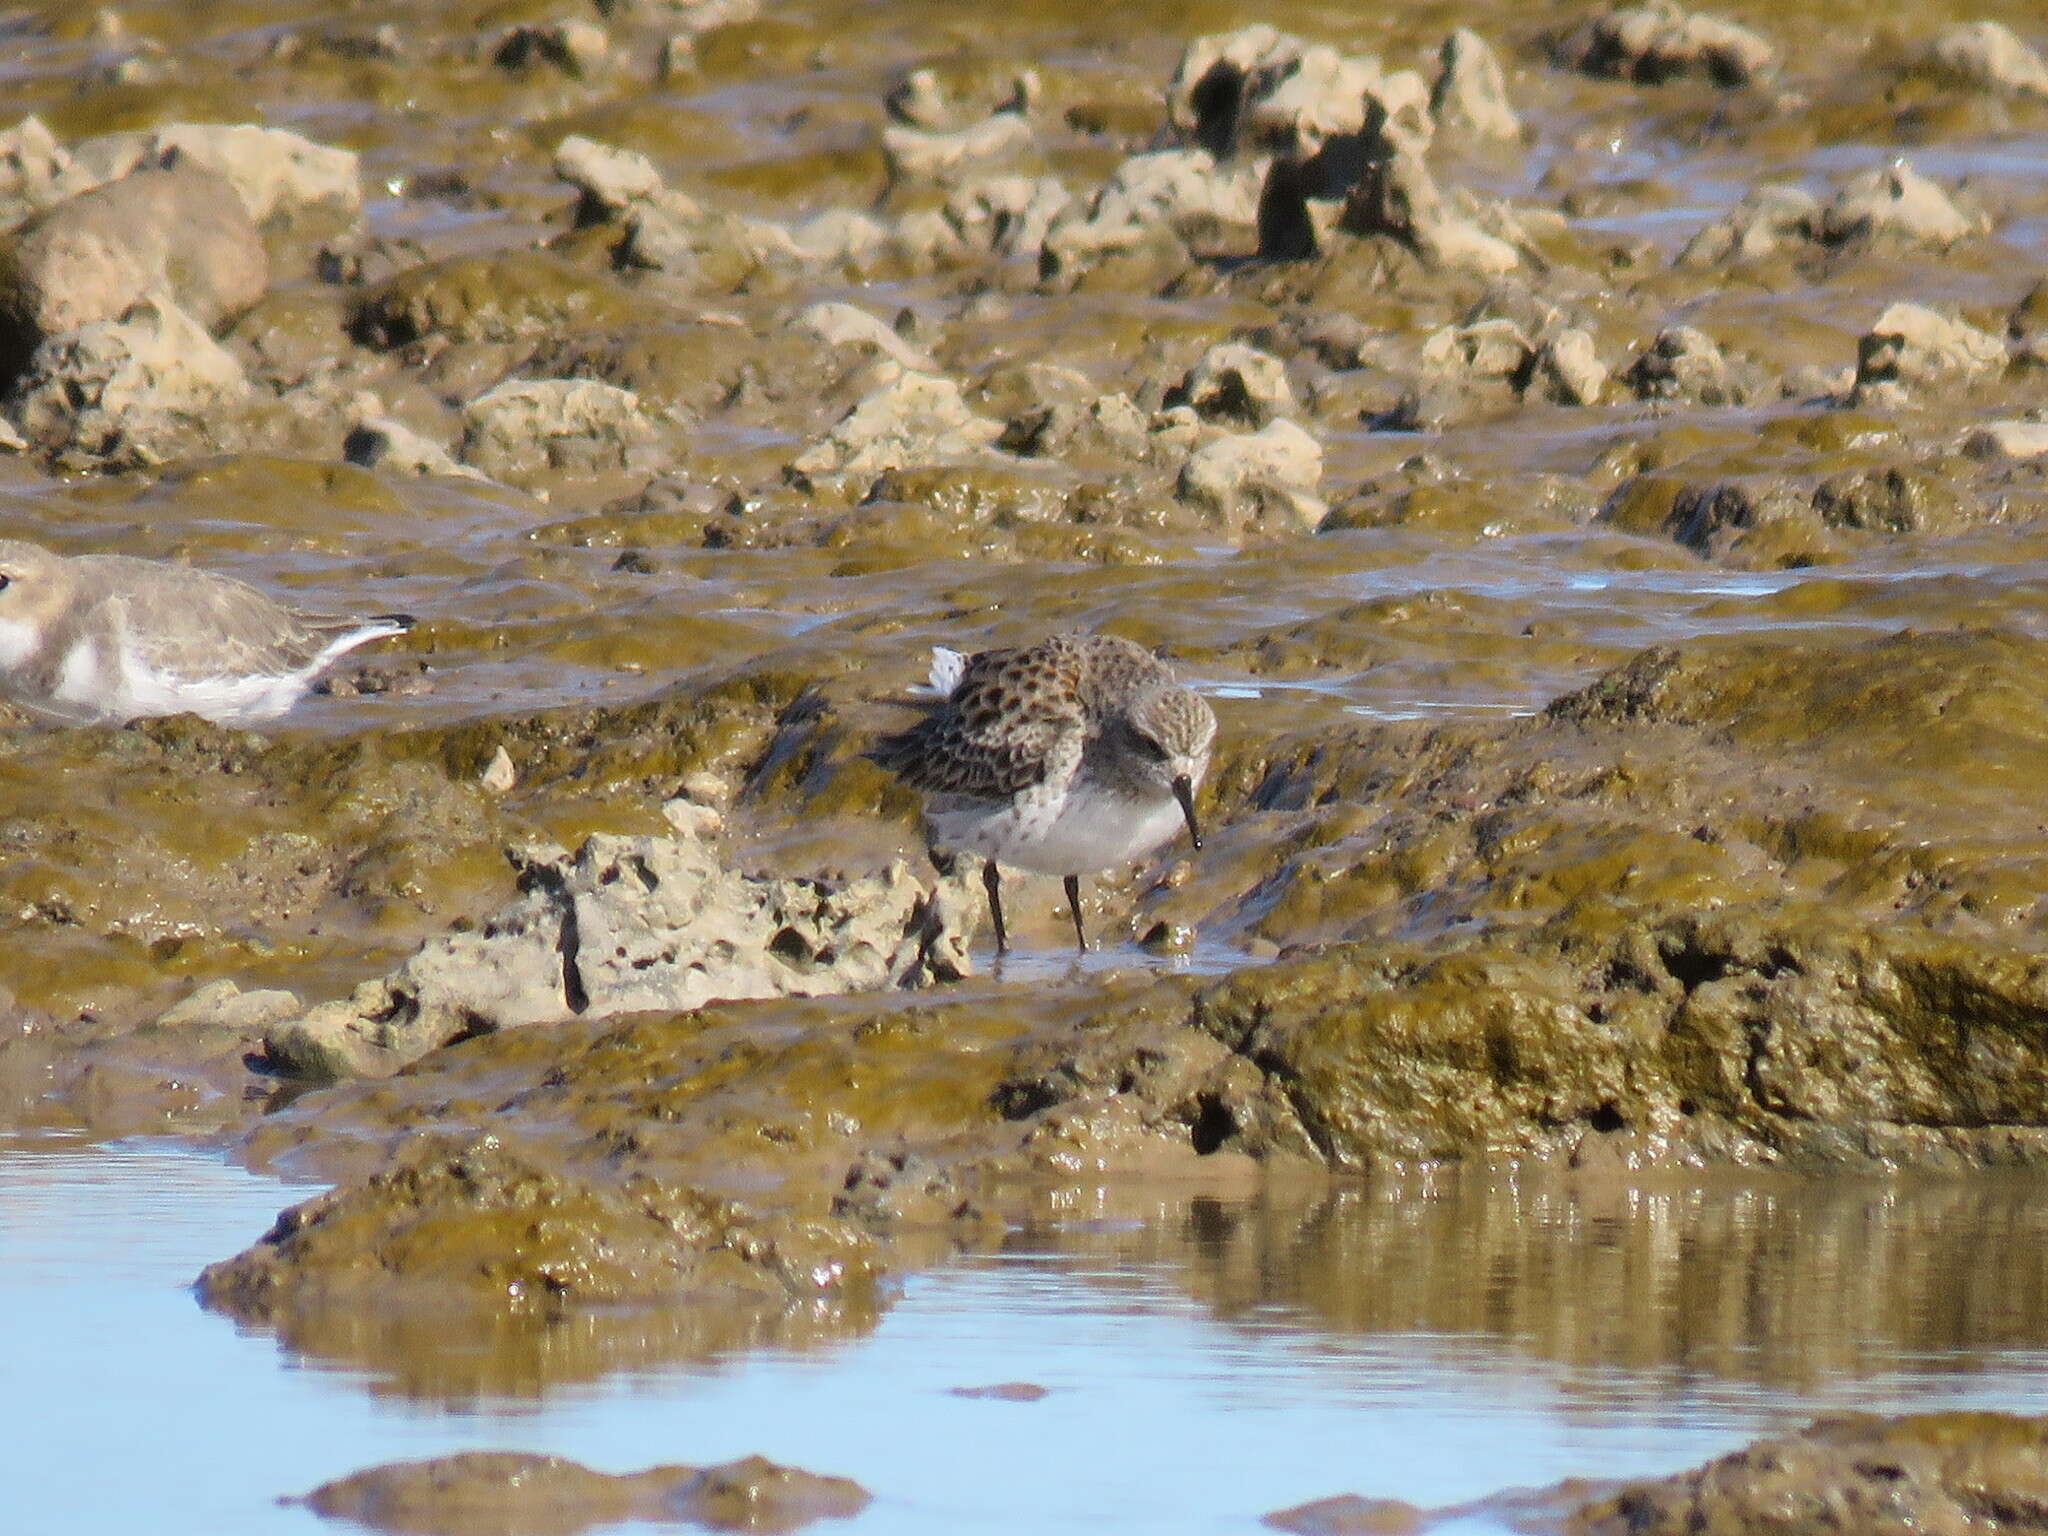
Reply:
x=1592, y=460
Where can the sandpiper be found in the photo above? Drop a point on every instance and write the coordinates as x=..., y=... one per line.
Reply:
x=1065, y=757
x=109, y=638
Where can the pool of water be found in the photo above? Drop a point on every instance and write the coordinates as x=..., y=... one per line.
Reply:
x=1199, y=1371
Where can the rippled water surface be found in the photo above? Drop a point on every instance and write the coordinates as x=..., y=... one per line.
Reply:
x=1214, y=1361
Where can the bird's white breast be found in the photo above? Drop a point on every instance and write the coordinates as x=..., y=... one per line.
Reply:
x=18, y=642
x=1077, y=832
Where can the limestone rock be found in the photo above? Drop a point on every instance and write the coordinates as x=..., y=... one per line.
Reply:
x=1568, y=368
x=280, y=176
x=1272, y=472
x=838, y=324
x=1471, y=93
x=1912, y=345
x=1485, y=349
x=1989, y=56
x=2008, y=440
x=611, y=180
x=624, y=924
x=1232, y=382
x=1260, y=91
x=1769, y=219
x=181, y=232
x=1396, y=195
x=129, y=391
x=1891, y=204
x=915, y=418
x=31, y=163
x=1172, y=187
x=525, y=426
x=1685, y=364
x=378, y=442
x=578, y=49
x=914, y=153
x=1898, y=202
x=1653, y=43
x=224, y=1005
x=993, y=215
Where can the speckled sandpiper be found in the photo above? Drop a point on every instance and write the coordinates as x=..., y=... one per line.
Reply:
x=1065, y=758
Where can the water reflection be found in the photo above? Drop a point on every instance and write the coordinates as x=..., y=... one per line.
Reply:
x=1752, y=1279
x=1208, y=1354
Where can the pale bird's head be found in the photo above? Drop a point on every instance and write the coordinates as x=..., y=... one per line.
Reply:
x=34, y=589
x=1172, y=730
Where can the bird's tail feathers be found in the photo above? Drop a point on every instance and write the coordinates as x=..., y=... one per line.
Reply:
x=948, y=667
x=376, y=627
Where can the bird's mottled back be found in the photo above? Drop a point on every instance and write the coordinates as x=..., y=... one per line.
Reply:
x=1015, y=714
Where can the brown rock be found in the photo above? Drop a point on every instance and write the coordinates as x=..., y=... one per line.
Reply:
x=1936, y=1474
x=511, y=1493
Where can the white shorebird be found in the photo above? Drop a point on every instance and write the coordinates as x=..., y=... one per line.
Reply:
x=108, y=638
x=1066, y=757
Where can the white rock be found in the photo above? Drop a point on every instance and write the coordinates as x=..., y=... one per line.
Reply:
x=915, y=418
x=379, y=442
x=839, y=324
x=526, y=426
x=1471, y=92
x=1243, y=475
x=135, y=386
x=1898, y=201
x=1235, y=382
x=1912, y=344
x=499, y=775
x=626, y=924
x=1990, y=56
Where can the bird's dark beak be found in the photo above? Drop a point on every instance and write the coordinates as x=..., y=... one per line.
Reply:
x=1184, y=792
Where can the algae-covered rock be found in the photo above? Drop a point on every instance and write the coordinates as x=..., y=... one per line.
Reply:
x=513, y=1493
x=505, y=297
x=626, y=924
x=505, y=1493
x=1927, y=1474
x=1942, y=1474
x=479, y=1225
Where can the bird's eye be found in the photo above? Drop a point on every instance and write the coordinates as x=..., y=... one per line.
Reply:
x=5, y=581
x=1152, y=749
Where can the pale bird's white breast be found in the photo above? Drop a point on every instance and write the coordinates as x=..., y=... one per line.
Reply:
x=81, y=676
x=19, y=640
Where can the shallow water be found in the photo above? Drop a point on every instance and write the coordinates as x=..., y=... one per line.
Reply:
x=1204, y=1365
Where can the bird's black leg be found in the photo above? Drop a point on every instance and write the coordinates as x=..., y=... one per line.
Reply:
x=992, y=882
x=1074, y=906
